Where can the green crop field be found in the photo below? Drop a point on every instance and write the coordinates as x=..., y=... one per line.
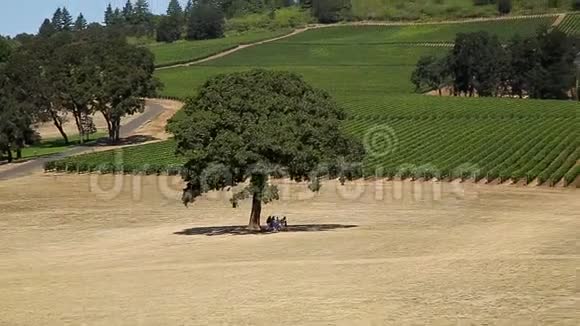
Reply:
x=185, y=51
x=571, y=24
x=504, y=29
x=367, y=70
x=491, y=138
x=334, y=68
x=450, y=9
x=333, y=58
x=420, y=137
x=148, y=158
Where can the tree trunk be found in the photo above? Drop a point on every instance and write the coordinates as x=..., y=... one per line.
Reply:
x=114, y=126
x=254, y=224
x=9, y=152
x=117, y=129
x=79, y=126
x=58, y=126
x=110, y=126
x=18, y=153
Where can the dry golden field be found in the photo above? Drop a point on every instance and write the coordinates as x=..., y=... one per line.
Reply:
x=73, y=252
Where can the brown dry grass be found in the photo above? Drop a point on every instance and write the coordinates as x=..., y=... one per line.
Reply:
x=473, y=255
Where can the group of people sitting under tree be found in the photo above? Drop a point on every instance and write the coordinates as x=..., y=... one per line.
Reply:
x=276, y=224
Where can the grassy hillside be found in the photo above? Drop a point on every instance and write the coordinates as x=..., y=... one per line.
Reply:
x=335, y=58
x=504, y=29
x=409, y=135
x=186, y=51
x=444, y=9
x=334, y=68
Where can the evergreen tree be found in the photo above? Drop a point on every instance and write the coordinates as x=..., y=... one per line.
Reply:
x=57, y=20
x=169, y=28
x=128, y=12
x=5, y=49
x=206, y=22
x=46, y=29
x=174, y=9
x=66, y=20
x=188, y=8
x=80, y=23
x=142, y=13
x=117, y=18
x=109, y=15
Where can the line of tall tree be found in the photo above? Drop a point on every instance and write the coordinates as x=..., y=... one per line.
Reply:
x=72, y=76
x=199, y=20
x=62, y=21
x=134, y=19
x=205, y=19
x=542, y=66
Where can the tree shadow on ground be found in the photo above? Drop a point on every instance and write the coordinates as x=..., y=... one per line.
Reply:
x=243, y=229
x=131, y=140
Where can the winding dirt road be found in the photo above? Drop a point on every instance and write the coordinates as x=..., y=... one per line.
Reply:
x=153, y=110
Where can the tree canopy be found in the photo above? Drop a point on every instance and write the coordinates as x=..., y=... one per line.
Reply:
x=252, y=125
x=541, y=66
x=169, y=27
x=431, y=73
x=205, y=22
x=17, y=118
x=77, y=74
x=5, y=49
x=80, y=23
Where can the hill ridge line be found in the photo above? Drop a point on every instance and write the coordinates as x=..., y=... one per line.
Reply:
x=360, y=23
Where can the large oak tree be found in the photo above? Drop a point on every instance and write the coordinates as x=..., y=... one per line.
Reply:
x=252, y=125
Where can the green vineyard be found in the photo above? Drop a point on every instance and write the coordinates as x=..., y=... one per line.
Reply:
x=154, y=158
x=504, y=29
x=571, y=24
x=470, y=139
x=466, y=138
x=367, y=71
x=186, y=51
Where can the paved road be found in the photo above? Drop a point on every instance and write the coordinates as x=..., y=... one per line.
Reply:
x=152, y=110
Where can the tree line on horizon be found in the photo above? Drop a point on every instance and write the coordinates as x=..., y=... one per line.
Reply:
x=197, y=20
x=541, y=66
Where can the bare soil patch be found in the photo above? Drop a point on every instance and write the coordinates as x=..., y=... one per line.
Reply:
x=417, y=253
x=48, y=130
x=156, y=127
